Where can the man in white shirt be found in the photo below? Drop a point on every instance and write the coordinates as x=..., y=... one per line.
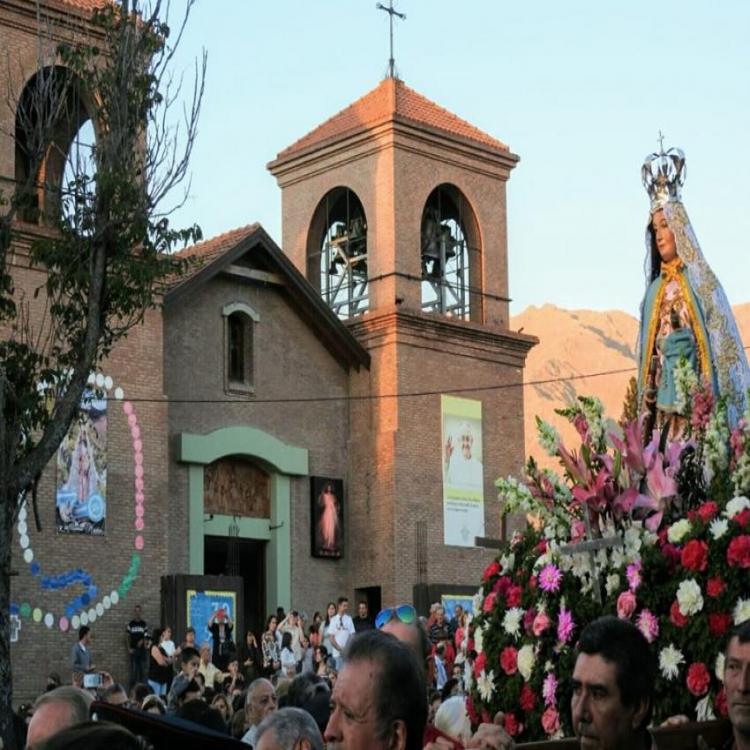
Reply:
x=340, y=630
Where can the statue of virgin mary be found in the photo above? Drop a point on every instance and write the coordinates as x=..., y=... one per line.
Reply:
x=685, y=312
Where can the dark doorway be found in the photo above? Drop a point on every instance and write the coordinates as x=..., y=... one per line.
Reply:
x=372, y=596
x=246, y=558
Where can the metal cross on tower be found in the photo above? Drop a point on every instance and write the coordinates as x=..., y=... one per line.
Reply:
x=661, y=142
x=391, y=12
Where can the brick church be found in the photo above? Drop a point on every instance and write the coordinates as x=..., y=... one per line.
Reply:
x=291, y=416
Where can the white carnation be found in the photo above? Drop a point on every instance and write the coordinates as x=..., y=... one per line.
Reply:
x=476, y=602
x=507, y=562
x=525, y=661
x=689, y=598
x=678, y=530
x=735, y=506
x=670, y=659
x=741, y=611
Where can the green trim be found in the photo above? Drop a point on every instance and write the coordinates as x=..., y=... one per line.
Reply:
x=242, y=441
x=282, y=460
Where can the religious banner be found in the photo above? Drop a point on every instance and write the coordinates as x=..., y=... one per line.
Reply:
x=202, y=604
x=80, y=498
x=327, y=517
x=451, y=601
x=463, y=473
x=233, y=487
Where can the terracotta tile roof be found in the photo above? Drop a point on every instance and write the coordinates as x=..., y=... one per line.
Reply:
x=391, y=99
x=86, y=5
x=203, y=253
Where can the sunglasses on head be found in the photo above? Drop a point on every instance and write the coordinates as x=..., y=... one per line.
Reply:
x=403, y=613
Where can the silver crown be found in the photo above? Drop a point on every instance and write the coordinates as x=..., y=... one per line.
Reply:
x=663, y=175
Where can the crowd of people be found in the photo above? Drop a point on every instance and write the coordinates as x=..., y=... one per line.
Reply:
x=395, y=681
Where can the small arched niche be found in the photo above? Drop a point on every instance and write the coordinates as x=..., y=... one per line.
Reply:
x=450, y=255
x=54, y=149
x=337, y=252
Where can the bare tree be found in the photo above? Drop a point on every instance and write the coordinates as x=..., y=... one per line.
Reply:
x=108, y=242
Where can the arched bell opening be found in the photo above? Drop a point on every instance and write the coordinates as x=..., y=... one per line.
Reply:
x=337, y=252
x=54, y=148
x=450, y=255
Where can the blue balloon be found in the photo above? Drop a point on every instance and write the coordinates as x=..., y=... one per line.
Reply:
x=92, y=591
x=69, y=611
x=35, y=568
x=85, y=599
x=14, y=609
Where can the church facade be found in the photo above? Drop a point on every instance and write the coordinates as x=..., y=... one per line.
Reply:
x=285, y=418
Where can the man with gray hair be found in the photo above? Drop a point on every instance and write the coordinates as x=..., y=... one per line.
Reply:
x=57, y=710
x=260, y=703
x=289, y=729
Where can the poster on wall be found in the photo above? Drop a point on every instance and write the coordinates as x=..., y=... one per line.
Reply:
x=202, y=604
x=451, y=601
x=81, y=487
x=463, y=473
x=327, y=517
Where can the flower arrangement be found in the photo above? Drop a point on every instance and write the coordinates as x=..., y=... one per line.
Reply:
x=674, y=520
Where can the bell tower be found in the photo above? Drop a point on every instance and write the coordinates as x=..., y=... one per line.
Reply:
x=395, y=211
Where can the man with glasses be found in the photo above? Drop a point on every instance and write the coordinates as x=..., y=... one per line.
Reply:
x=402, y=622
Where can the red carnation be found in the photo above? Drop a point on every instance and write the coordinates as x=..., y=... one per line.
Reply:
x=511, y=725
x=527, y=700
x=676, y=616
x=489, y=602
x=501, y=585
x=708, y=511
x=743, y=518
x=528, y=620
x=509, y=660
x=532, y=582
x=738, y=553
x=695, y=556
x=718, y=623
x=513, y=597
x=542, y=546
x=715, y=587
x=671, y=555
x=721, y=703
x=491, y=570
x=698, y=679
x=479, y=664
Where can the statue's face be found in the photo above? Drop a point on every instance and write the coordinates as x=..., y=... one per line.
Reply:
x=665, y=243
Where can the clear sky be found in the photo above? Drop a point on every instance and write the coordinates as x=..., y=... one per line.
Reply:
x=579, y=90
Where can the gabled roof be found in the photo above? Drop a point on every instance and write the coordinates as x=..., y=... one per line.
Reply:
x=208, y=259
x=392, y=100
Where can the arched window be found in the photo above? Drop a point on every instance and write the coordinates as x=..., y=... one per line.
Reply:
x=238, y=336
x=337, y=252
x=54, y=145
x=450, y=254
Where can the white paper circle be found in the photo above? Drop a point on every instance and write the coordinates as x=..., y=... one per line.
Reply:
x=91, y=379
x=119, y=394
x=92, y=615
x=28, y=555
x=84, y=618
x=22, y=527
x=75, y=622
x=99, y=609
x=114, y=597
x=107, y=602
x=49, y=619
x=22, y=514
x=24, y=541
x=99, y=380
x=108, y=383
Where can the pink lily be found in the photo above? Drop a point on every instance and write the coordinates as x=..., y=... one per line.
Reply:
x=661, y=487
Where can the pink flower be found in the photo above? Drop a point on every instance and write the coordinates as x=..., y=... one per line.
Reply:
x=549, y=688
x=565, y=625
x=541, y=623
x=550, y=721
x=633, y=574
x=626, y=604
x=489, y=602
x=698, y=679
x=509, y=660
x=661, y=487
x=648, y=624
x=550, y=578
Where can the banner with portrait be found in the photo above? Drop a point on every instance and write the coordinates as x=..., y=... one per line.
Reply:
x=327, y=517
x=81, y=486
x=463, y=472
